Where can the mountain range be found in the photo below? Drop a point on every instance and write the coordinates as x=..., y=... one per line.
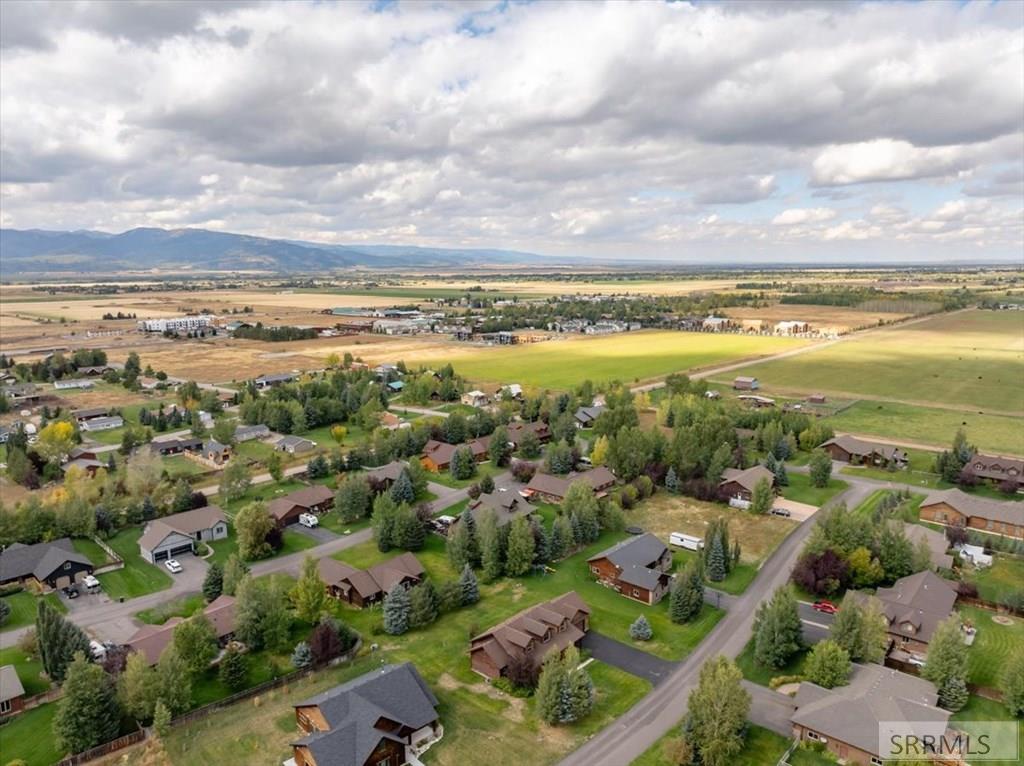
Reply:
x=25, y=251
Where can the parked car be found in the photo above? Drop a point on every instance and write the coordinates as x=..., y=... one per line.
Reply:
x=90, y=582
x=70, y=592
x=173, y=566
x=309, y=520
x=826, y=607
x=784, y=512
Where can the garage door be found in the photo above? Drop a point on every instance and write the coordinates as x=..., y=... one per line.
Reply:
x=63, y=581
x=180, y=549
x=79, y=576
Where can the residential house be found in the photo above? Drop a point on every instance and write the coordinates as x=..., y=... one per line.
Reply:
x=56, y=563
x=88, y=413
x=151, y=640
x=792, y=327
x=505, y=504
x=848, y=720
x=437, y=456
x=753, y=400
x=474, y=398
x=73, y=383
x=150, y=384
x=383, y=718
x=294, y=445
x=12, y=693
x=517, y=431
x=638, y=568
x=851, y=449
x=585, y=416
x=510, y=391
x=269, y=381
x=391, y=422
x=244, y=433
x=96, y=369
x=21, y=392
x=716, y=324
x=530, y=635
x=739, y=483
x=913, y=607
x=314, y=499
x=553, y=489
x=165, y=447
x=996, y=468
x=936, y=542
x=363, y=587
x=178, y=534
x=87, y=465
x=388, y=474
x=744, y=383
x=213, y=452
x=956, y=508
x=102, y=424
x=817, y=399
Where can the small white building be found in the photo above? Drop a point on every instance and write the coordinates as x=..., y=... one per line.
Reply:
x=474, y=398
x=102, y=424
x=791, y=327
x=175, y=324
x=974, y=554
x=64, y=385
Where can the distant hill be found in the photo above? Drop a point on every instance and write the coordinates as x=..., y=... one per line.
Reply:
x=39, y=251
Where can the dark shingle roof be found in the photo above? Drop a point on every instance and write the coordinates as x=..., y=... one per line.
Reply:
x=634, y=551
x=39, y=560
x=395, y=692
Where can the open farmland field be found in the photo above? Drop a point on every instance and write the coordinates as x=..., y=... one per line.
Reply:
x=634, y=356
x=971, y=359
x=839, y=318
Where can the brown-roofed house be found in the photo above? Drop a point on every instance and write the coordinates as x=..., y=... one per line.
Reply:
x=530, y=635
x=516, y=432
x=506, y=506
x=997, y=468
x=386, y=475
x=362, y=587
x=956, y=508
x=553, y=489
x=314, y=499
x=914, y=606
x=848, y=720
x=850, y=449
x=437, y=456
x=936, y=542
x=745, y=383
x=638, y=568
x=151, y=640
x=740, y=483
x=177, y=534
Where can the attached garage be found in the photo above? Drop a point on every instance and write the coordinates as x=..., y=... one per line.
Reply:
x=177, y=535
x=171, y=545
x=164, y=553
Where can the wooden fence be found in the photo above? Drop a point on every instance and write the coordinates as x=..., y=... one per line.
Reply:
x=116, y=561
x=105, y=749
x=990, y=606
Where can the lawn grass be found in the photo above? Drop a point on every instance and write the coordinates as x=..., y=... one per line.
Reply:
x=27, y=668
x=804, y=757
x=179, y=465
x=91, y=549
x=993, y=645
x=741, y=575
x=626, y=357
x=973, y=360
x=23, y=609
x=1005, y=576
x=181, y=607
x=333, y=522
x=759, y=674
x=982, y=709
x=138, y=577
x=801, y=491
x=29, y=737
x=909, y=509
x=761, y=748
x=293, y=543
x=446, y=479
x=266, y=491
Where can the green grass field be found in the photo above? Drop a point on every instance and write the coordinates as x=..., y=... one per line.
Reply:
x=27, y=668
x=181, y=607
x=759, y=674
x=90, y=548
x=23, y=609
x=801, y=491
x=626, y=357
x=1005, y=576
x=973, y=360
x=293, y=543
x=138, y=577
x=931, y=425
x=993, y=646
x=446, y=479
x=27, y=737
x=981, y=709
x=762, y=748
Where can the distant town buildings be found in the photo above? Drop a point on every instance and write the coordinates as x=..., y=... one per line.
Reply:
x=176, y=324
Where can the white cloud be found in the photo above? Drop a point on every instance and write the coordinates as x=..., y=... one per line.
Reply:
x=797, y=216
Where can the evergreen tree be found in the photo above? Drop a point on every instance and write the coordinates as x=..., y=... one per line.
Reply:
x=458, y=543
x=470, y=590
x=409, y=532
x=859, y=628
x=947, y=661
x=173, y=681
x=58, y=639
x=954, y=694
x=641, y=630
x=234, y=572
x=402, y=490
x=302, y=657
x=762, y=497
x=521, y=548
x=828, y=665
x=309, y=595
x=1011, y=683
x=718, y=710
x=213, y=583
x=463, y=465
x=542, y=543
x=353, y=499
x=492, y=552
x=687, y=595
x=423, y=604
x=396, y=611
x=581, y=688
x=550, y=684
x=561, y=540
x=498, y=447
x=721, y=459
x=385, y=514
x=778, y=634
x=161, y=719
x=233, y=670
x=487, y=484
x=716, y=560
x=88, y=713
x=820, y=467
x=672, y=481
x=895, y=552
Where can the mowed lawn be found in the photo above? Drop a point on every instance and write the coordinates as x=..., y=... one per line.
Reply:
x=29, y=737
x=801, y=490
x=761, y=748
x=27, y=668
x=138, y=577
x=972, y=359
x=627, y=357
x=1005, y=576
x=23, y=609
x=993, y=645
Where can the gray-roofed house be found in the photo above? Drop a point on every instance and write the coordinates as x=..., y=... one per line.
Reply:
x=106, y=423
x=637, y=568
x=72, y=383
x=56, y=563
x=506, y=506
x=936, y=542
x=178, y=534
x=848, y=720
x=244, y=433
x=12, y=693
x=956, y=508
x=294, y=445
x=851, y=449
x=585, y=416
x=914, y=606
x=554, y=488
x=530, y=635
x=268, y=381
x=213, y=452
x=362, y=587
x=997, y=468
x=740, y=483
x=387, y=474
x=383, y=718
x=87, y=413
x=84, y=464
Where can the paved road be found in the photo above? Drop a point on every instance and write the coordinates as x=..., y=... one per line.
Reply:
x=632, y=733
x=770, y=709
x=630, y=659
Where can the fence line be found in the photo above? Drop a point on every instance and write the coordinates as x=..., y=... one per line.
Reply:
x=105, y=749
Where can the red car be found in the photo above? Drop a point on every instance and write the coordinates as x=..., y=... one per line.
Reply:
x=825, y=606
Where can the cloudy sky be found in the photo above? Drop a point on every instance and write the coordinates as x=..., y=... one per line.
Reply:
x=701, y=132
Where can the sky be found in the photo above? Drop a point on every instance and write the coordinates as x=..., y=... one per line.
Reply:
x=703, y=132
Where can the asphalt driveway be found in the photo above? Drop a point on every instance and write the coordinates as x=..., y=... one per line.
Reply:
x=624, y=657
x=320, y=534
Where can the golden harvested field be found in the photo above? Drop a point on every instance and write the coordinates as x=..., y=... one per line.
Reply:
x=301, y=301
x=77, y=310
x=820, y=317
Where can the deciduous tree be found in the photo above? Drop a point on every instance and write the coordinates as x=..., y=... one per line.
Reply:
x=88, y=713
x=196, y=643
x=828, y=665
x=309, y=594
x=252, y=525
x=521, y=546
x=718, y=710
